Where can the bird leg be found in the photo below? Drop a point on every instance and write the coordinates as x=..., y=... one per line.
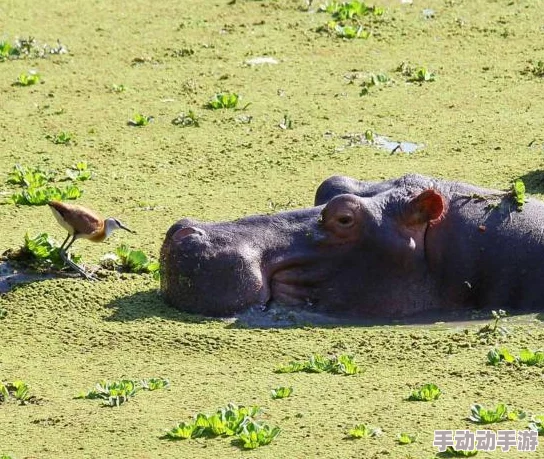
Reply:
x=63, y=251
x=61, y=248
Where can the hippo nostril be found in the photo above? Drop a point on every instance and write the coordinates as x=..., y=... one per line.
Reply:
x=184, y=232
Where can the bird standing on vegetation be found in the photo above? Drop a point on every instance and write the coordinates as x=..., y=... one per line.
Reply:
x=81, y=222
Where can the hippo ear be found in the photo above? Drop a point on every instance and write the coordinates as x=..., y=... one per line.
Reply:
x=426, y=207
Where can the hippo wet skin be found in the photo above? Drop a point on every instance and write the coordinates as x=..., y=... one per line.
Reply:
x=381, y=249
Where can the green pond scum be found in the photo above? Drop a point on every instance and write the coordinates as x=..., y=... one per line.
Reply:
x=473, y=101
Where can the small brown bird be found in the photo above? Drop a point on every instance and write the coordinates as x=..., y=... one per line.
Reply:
x=82, y=223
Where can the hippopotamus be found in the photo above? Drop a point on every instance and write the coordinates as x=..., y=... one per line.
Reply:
x=365, y=249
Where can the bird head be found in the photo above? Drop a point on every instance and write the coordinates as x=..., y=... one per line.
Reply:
x=114, y=224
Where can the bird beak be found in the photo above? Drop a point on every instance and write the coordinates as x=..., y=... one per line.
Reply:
x=126, y=229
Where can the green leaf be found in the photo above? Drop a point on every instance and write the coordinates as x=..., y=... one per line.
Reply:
x=71, y=192
x=224, y=100
x=537, y=424
x=281, y=392
x=153, y=266
x=342, y=364
x=137, y=260
x=154, y=384
x=21, y=390
x=406, y=438
x=201, y=420
x=293, y=367
x=216, y=424
x=426, y=393
x=4, y=394
x=500, y=413
x=362, y=430
x=506, y=355
x=493, y=357
x=254, y=435
x=518, y=193
x=450, y=450
x=182, y=431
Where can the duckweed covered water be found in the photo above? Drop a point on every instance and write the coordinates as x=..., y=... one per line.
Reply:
x=480, y=121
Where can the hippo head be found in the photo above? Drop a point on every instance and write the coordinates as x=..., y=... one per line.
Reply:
x=352, y=255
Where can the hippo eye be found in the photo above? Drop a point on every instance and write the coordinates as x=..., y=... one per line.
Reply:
x=345, y=220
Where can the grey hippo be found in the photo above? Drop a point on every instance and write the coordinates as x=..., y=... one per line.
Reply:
x=366, y=249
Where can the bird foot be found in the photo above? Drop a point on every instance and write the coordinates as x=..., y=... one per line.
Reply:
x=76, y=267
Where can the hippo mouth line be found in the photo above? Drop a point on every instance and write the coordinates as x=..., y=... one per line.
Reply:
x=289, y=293
x=293, y=283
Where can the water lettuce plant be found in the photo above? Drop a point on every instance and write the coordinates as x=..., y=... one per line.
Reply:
x=154, y=384
x=497, y=355
x=531, y=358
x=62, y=138
x=43, y=250
x=254, y=434
x=422, y=75
x=139, y=120
x=225, y=100
x=133, y=261
x=187, y=119
x=350, y=32
x=29, y=177
x=231, y=421
x=18, y=391
x=281, y=392
x=286, y=122
x=184, y=430
x=535, y=68
x=36, y=187
x=4, y=393
x=115, y=393
x=118, y=88
x=39, y=252
x=79, y=172
x=27, y=79
x=41, y=196
x=426, y=393
x=8, y=51
x=353, y=9
x=363, y=430
x=500, y=413
x=518, y=194
x=28, y=48
x=526, y=357
x=349, y=19
x=405, y=438
x=452, y=452
x=374, y=80
x=343, y=364
x=537, y=424
x=415, y=74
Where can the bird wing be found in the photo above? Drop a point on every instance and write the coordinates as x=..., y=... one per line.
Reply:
x=81, y=219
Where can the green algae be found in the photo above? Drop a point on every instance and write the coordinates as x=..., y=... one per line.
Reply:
x=480, y=122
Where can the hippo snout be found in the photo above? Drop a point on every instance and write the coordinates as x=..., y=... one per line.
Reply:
x=201, y=270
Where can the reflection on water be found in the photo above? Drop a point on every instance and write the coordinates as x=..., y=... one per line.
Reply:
x=382, y=142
